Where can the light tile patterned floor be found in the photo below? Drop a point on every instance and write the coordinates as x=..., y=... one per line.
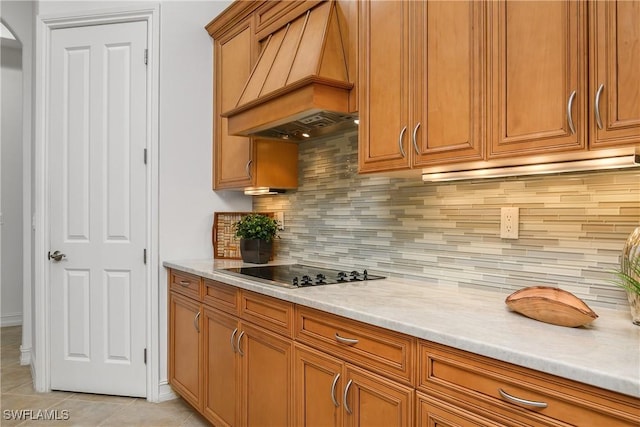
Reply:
x=87, y=410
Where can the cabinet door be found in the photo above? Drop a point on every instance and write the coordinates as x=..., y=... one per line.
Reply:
x=537, y=77
x=221, y=380
x=185, y=348
x=267, y=377
x=384, y=136
x=615, y=71
x=318, y=388
x=448, y=82
x=233, y=61
x=376, y=401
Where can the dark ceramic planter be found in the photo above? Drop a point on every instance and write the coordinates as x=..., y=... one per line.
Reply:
x=255, y=251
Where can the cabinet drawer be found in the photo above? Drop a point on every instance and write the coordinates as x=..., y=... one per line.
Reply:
x=457, y=375
x=185, y=283
x=270, y=313
x=221, y=296
x=386, y=352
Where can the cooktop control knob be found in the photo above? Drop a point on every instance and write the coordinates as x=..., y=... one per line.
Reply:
x=365, y=275
x=306, y=280
x=355, y=275
x=321, y=279
x=294, y=282
x=342, y=276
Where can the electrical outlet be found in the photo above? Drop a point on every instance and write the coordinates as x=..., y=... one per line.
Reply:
x=509, y=221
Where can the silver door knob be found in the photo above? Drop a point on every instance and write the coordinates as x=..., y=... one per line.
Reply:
x=56, y=256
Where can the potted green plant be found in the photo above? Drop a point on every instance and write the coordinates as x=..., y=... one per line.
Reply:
x=256, y=233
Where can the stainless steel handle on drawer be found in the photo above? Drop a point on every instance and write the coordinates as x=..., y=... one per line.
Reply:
x=238, y=344
x=404, y=129
x=247, y=168
x=333, y=390
x=196, y=324
x=572, y=97
x=413, y=138
x=597, y=106
x=346, y=340
x=185, y=283
x=344, y=397
x=521, y=401
x=233, y=344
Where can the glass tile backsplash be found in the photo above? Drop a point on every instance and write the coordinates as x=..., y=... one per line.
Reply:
x=572, y=226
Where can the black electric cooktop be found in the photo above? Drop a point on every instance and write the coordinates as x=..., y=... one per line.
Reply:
x=298, y=275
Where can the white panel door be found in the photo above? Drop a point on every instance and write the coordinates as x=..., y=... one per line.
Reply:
x=96, y=134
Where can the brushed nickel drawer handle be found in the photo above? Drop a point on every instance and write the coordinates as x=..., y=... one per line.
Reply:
x=185, y=283
x=522, y=401
x=333, y=390
x=343, y=340
x=344, y=397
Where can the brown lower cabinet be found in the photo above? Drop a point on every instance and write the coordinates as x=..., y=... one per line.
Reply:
x=246, y=359
x=331, y=392
x=247, y=373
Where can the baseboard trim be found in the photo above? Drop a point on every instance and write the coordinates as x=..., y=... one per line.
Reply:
x=166, y=392
x=11, y=320
x=25, y=356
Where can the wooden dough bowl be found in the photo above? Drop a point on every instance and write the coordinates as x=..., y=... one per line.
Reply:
x=551, y=305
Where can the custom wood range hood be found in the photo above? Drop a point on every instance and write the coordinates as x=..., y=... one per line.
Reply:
x=299, y=87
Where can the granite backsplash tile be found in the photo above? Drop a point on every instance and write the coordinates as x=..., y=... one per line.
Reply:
x=572, y=226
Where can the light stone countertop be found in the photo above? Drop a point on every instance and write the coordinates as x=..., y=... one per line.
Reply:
x=605, y=353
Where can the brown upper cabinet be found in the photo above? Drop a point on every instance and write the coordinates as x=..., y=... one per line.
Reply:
x=234, y=54
x=537, y=77
x=614, y=84
x=421, y=83
x=466, y=85
x=240, y=162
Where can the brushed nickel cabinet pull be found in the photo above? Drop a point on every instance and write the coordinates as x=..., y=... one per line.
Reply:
x=404, y=129
x=247, y=169
x=185, y=283
x=569, y=113
x=233, y=335
x=520, y=401
x=333, y=390
x=344, y=397
x=597, y=106
x=196, y=323
x=238, y=344
x=413, y=138
x=346, y=340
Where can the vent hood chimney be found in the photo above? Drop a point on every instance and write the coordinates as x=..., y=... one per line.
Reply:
x=299, y=87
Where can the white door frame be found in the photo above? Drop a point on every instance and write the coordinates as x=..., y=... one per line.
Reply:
x=150, y=13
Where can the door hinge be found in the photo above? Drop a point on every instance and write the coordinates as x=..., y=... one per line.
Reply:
x=145, y=156
x=145, y=356
x=144, y=256
x=146, y=56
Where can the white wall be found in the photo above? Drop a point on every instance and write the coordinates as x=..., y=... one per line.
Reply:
x=19, y=15
x=11, y=188
x=186, y=201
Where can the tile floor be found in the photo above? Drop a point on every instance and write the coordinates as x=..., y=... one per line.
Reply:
x=85, y=410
